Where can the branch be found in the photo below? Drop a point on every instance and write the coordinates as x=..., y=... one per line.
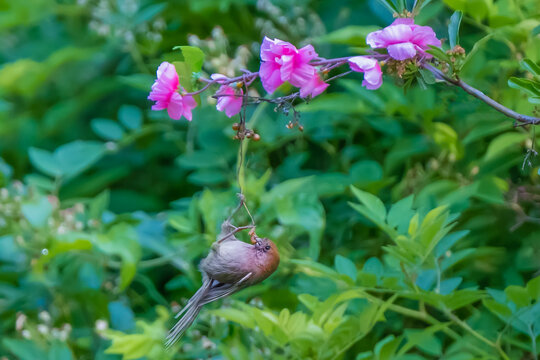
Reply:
x=523, y=119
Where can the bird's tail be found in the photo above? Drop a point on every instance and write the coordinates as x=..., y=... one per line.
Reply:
x=188, y=314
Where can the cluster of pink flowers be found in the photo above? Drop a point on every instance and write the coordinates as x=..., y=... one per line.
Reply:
x=282, y=62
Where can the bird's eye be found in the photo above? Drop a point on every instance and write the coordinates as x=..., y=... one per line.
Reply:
x=267, y=247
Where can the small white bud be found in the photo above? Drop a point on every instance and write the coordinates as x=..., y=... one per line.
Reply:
x=21, y=320
x=44, y=315
x=43, y=329
x=111, y=146
x=101, y=325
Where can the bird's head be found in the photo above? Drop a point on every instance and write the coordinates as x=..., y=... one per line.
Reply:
x=267, y=255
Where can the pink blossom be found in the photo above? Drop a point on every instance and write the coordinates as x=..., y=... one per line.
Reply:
x=164, y=93
x=314, y=87
x=229, y=100
x=371, y=69
x=281, y=62
x=403, y=39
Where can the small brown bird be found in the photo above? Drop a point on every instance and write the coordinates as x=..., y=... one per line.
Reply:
x=231, y=266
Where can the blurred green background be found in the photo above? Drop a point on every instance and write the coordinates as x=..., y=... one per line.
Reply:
x=106, y=208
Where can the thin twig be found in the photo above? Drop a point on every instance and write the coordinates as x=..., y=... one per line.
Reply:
x=523, y=119
x=476, y=334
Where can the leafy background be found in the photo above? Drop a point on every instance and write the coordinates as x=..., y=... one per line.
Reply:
x=408, y=223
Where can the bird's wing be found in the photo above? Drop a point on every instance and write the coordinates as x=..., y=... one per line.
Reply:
x=221, y=290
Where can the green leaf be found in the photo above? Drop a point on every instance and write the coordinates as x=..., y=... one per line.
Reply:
x=37, y=213
x=427, y=76
x=107, y=129
x=241, y=317
x=528, y=86
x=449, y=285
x=122, y=240
x=59, y=351
x=518, y=295
x=374, y=207
x=131, y=347
x=439, y=54
x=530, y=66
x=75, y=157
x=365, y=171
x=453, y=28
x=401, y=213
x=373, y=266
x=448, y=241
x=533, y=288
x=130, y=116
x=184, y=74
x=425, y=340
x=23, y=349
x=346, y=267
x=305, y=211
x=387, y=347
x=389, y=5
x=497, y=308
x=192, y=56
x=44, y=161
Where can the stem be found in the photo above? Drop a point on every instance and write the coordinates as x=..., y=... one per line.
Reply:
x=245, y=78
x=423, y=316
x=523, y=119
x=476, y=334
x=533, y=342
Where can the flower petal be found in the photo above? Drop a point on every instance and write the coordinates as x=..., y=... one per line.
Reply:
x=175, y=107
x=395, y=34
x=402, y=51
x=302, y=74
x=361, y=63
x=424, y=36
x=189, y=104
x=266, y=49
x=270, y=76
x=307, y=53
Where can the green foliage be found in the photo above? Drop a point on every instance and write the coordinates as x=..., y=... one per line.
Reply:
x=407, y=222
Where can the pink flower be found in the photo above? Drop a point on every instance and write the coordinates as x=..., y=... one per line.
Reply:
x=164, y=93
x=314, y=87
x=371, y=69
x=403, y=39
x=229, y=100
x=281, y=62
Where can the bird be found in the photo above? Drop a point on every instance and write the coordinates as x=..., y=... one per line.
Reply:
x=230, y=266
